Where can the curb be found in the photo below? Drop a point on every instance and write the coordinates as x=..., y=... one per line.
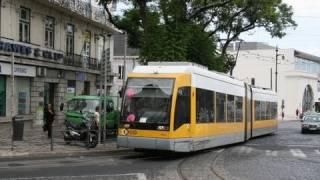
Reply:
x=51, y=154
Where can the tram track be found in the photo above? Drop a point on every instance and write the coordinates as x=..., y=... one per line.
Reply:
x=180, y=168
x=214, y=171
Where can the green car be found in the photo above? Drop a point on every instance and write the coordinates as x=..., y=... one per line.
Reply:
x=78, y=105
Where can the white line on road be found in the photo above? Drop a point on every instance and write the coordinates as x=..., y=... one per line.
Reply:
x=285, y=145
x=317, y=151
x=297, y=153
x=138, y=176
x=219, y=151
x=271, y=153
x=246, y=149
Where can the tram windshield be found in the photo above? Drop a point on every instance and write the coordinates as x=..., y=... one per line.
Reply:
x=147, y=101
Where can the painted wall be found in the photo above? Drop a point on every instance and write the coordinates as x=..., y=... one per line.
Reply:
x=291, y=82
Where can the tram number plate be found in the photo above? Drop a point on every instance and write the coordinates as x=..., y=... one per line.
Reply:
x=132, y=132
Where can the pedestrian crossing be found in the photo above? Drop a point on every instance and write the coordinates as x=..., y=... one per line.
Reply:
x=289, y=152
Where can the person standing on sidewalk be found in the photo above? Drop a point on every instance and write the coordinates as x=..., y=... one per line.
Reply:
x=297, y=113
x=49, y=119
x=97, y=116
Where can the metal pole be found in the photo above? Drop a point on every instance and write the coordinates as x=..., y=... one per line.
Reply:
x=124, y=62
x=231, y=71
x=12, y=99
x=103, y=58
x=271, y=78
x=106, y=88
x=276, y=85
x=51, y=138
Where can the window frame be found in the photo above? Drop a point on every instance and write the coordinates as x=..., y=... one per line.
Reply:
x=48, y=42
x=218, y=120
x=24, y=33
x=187, y=120
x=211, y=112
x=70, y=38
x=232, y=108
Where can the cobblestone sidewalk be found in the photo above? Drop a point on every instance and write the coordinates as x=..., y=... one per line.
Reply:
x=36, y=143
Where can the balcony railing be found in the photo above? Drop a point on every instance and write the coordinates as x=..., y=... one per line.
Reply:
x=81, y=61
x=85, y=9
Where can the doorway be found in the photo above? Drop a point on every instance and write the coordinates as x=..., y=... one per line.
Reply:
x=49, y=94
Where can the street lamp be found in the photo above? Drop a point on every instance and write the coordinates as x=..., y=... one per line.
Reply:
x=235, y=61
x=277, y=55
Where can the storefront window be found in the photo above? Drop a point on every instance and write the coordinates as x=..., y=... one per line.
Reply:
x=2, y=96
x=22, y=95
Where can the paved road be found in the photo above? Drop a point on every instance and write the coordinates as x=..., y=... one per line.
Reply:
x=286, y=155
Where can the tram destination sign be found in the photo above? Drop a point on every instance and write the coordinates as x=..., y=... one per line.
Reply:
x=29, y=51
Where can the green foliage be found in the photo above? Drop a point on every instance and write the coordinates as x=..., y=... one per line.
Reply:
x=175, y=30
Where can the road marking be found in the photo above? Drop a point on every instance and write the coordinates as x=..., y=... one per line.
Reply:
x=297, y=153
x=271, y=153
x=284, y=145
x=219, y=151
x=247, y=150
x=138, y=176
x=317, y=151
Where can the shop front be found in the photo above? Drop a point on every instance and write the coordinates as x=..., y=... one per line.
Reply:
x=19, y=103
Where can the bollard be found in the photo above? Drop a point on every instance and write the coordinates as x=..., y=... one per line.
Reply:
x=104, y=132
x=51, y=138
x=88, y=139
x=12, y=127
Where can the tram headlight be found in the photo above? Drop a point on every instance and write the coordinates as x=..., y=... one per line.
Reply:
x=163, y=128
x=126, y=126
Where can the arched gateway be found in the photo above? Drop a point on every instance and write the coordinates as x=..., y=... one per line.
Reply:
x=308, y=99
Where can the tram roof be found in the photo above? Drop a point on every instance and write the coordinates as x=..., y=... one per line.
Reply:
x=185, y=67
x=193, y=68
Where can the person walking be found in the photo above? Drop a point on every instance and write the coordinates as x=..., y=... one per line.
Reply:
x=297, y=113
x=49, y=119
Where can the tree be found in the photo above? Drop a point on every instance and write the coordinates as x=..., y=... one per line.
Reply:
x=171, y=29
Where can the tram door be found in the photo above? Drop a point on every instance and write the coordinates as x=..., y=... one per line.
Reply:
x=248, y=110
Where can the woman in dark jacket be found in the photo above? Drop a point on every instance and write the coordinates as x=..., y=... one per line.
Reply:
x=49, y=119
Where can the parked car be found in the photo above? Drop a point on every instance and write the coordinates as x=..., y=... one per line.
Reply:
x=310, y=123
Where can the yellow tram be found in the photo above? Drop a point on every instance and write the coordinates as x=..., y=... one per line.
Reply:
x=184, y=107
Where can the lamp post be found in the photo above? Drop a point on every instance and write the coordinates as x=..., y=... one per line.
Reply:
x=235, y=61
x=124, y=61
x=276, y=79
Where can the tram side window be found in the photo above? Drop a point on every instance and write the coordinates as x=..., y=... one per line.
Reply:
x=230, y=108
x=182, y=112
x=258, y=110
x=263, y=110
x=268, y=111
x=274, y=110
x=239, y=108
x=221, y=107
x=205, y=106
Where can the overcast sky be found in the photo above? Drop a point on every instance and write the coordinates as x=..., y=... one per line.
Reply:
x=306, y=37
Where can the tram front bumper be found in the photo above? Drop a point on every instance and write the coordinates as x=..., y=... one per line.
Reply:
x=178, y=145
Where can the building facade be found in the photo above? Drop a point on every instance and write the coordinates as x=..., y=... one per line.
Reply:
x=56, y=47
x=297, y=76
x=122, y=65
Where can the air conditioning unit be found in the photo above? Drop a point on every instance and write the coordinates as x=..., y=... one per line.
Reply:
x=41, y=71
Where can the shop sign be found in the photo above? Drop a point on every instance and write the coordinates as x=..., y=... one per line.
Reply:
x=80, y=76
x=23, y=50
x=71, y=90
x=19, y=70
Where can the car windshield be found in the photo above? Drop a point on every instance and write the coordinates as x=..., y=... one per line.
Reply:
x=82, y=105
x=312, y=118
x=147, y=100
